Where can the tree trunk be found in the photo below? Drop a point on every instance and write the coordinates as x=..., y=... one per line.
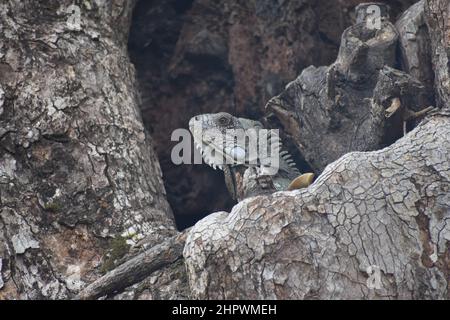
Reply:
x=83, y=211
x=203, y=56
x=330, y=111
x=378, y=218
x=438, y=21
x=373, y=225
x=76, y=165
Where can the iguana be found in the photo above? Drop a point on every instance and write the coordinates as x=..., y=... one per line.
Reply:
x=243, y=180
x=221, y=136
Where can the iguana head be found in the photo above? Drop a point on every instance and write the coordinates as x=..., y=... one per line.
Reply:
x=226, y=136
x=216, y=135
x=221, y=121
x=221, y=136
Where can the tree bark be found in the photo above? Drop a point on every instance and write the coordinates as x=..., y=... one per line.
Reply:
x=137, y=268
x=77, y=168
x=373, y=226
x=386, y=212
x=203, y=56
x=330, y=111
x=437, y=18
x=415, y=44
x=76, y=165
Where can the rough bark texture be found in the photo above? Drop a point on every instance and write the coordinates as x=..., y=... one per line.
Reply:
x=137, y=268
x=384, y=210
x=76, y=165
x=438, y=21
x=80, y=183
x=204, y=56
x=330, y=111
x=165, y=284
x=388, y=209
x=415, y=44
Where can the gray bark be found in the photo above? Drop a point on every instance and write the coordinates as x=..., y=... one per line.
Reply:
x=77, y=169
x=330, y=111
x=415, y=44
x=205, y=56
x=438, y=22
x=137, y=268
x=76, y=165
x=387, y=209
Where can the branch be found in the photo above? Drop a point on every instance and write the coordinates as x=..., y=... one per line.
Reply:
x=137, y=268
x=387, y=210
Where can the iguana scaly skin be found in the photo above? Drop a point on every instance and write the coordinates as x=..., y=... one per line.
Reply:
x=245, y=176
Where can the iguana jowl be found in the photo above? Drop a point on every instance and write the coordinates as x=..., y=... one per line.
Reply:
x=246, y=173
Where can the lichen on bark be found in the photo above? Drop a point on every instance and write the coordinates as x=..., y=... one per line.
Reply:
x=76, y=164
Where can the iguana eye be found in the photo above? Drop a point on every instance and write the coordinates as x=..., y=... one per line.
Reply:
x=224, y=121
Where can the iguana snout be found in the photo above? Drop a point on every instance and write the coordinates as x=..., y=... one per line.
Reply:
x=221, y=136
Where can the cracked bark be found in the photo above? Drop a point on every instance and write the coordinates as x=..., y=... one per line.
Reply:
x=386, y=209
x=415, y=44
x=76, y=168
x=76, y=165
